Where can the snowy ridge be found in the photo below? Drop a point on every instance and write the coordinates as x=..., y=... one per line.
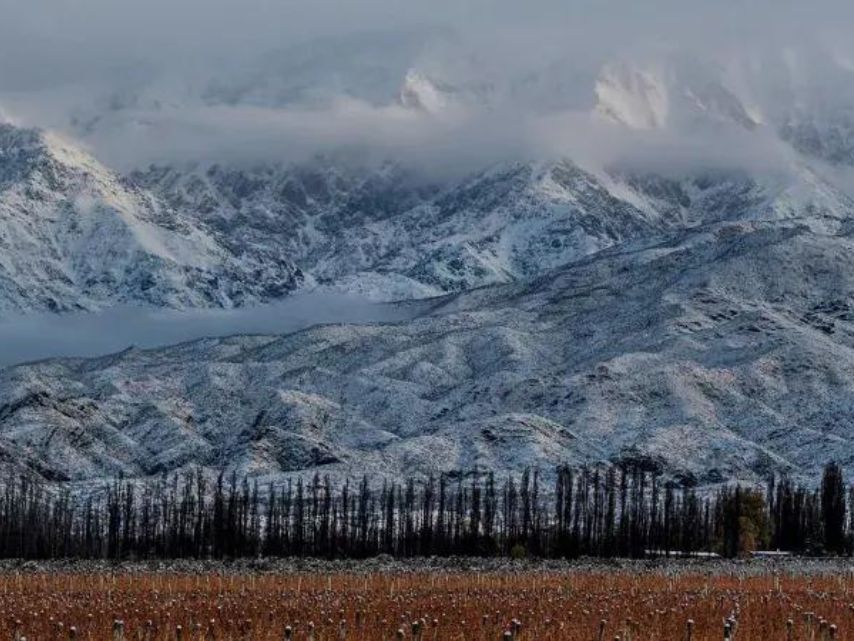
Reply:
x=76, y=236
x=661, y=95
x=346, y=231
x=388, y=234
x=695, y=354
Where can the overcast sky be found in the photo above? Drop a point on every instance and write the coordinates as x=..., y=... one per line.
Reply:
x=64, y=60
x=48, y=41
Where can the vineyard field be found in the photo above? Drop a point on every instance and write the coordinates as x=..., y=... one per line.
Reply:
x=595, y=605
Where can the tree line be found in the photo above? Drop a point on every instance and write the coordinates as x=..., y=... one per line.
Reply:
x=598, y=511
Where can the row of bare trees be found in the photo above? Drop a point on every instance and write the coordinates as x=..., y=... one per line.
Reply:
x=602, y=511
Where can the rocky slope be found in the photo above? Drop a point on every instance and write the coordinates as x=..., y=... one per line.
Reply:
x=75, y=235
x=721, y=352
x=78, y=236
x=388, y=235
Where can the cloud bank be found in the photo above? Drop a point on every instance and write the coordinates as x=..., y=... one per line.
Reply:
x=283, y=80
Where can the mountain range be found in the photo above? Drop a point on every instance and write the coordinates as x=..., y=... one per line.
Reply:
x=690, y=313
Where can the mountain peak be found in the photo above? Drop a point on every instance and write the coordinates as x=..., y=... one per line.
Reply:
x=76, y=235
x=637, y=98
x=661, y=94
x=421, y=93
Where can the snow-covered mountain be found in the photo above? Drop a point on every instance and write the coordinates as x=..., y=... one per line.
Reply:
x=689, y=309
x=75, y=235
x=720, y=352
x=661, y=96
x=388, y=235
x=78, y=236
x=804, y=99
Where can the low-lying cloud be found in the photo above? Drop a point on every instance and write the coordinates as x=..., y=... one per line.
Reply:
x=40, y=336
x=245, y=134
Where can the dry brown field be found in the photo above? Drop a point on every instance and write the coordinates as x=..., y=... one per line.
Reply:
x=436, y=606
